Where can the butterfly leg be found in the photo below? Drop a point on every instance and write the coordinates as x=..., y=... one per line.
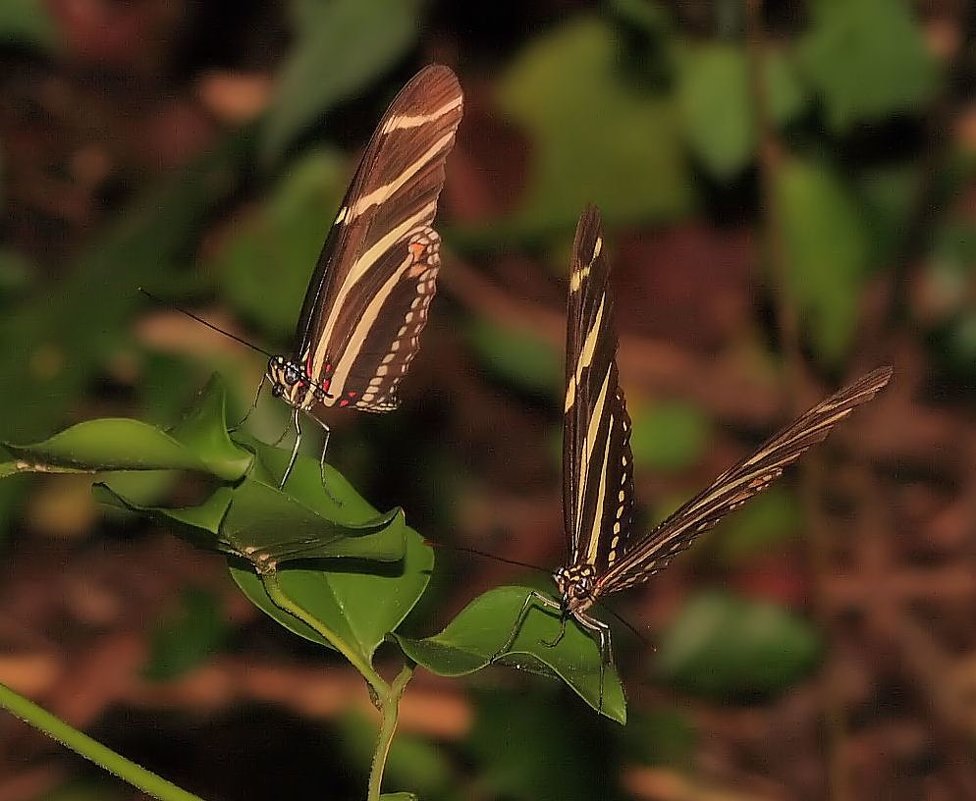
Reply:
x=325, y=446
x=530, y=599
x=563, y=618
x=253, y=406
x=602, y=631
x=295, y=418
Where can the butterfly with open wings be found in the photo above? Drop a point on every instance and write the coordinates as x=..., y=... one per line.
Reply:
x=605, y=554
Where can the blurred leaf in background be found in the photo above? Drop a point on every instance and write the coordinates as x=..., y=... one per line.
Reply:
x=184, y=640
x=27, y=23
x=717, y=105
x=266, y=262
x=828, y=251
x=533, y=746
x=342, y=47
x=867, y=60
x=722, y=646
x=595, y=138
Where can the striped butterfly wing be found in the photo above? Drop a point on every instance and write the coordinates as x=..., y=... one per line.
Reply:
x=598, y=482
x=738, y=484
x=368, y=298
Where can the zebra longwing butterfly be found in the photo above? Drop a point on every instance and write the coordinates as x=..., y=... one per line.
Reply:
x=367, y=301
x=605, y=554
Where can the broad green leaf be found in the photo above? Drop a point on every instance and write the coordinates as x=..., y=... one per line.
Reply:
x=342, y=46
x=868, y=60
x=27, y=22
x=184, y=640
x=534, y=745
x=267, y=528
x=361, y=601
x=827, y=251
x=265, y=265
x=469, y=642
x=668, y=436
x=516, y=356
x=594, y=137
x=200, y=442
x=723, y=646
x=718, y=109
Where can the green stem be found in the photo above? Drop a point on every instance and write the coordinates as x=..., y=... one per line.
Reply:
x=390, y=710
x=90, y=749
x=273, y=587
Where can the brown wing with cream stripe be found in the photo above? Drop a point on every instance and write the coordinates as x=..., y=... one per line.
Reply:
x=367, y=302
x=649, y=554
x=598, y=482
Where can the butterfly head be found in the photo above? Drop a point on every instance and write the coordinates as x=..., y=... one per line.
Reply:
x=292, y=382
x=577, y=586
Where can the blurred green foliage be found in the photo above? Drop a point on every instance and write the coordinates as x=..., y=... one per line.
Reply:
x=341, y=47
x=27, y=23
x=722, y=646
x=183, y=640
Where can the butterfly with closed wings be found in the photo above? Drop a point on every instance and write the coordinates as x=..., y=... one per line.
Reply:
x=368, y=298
x=605, y=554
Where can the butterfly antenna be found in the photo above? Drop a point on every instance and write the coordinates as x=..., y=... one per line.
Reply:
x=628, y=624
x=486, y=555
x=211, y=326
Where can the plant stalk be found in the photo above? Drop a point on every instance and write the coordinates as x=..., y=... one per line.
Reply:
x=390, y=711
x=90, y=749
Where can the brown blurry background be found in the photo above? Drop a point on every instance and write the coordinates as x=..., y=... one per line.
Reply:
x=788, y=194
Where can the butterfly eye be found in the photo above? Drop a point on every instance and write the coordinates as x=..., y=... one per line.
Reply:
x=291, y=374
x=277, y=390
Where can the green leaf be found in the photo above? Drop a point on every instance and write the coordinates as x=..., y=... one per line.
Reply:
x=718, y=108
x=722, y=646
x=342, y=46
x=469, y=642
x=868, y=60
x=668, y=436
x=518, y=357
x=630, y=162
x=264, y=526
x=27, y=22
x=361, y=601
x=185, y=640
x=827, y=250
x=265, y=267
x=399, y=797
x=200, y=442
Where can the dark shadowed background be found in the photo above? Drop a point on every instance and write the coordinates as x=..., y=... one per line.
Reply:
x=787, y=188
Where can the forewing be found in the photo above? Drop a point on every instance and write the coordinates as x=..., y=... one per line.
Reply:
x=598, y=484
x=375, y=276
x=648, y=555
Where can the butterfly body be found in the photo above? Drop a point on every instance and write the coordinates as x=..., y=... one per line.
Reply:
x=368, y=298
